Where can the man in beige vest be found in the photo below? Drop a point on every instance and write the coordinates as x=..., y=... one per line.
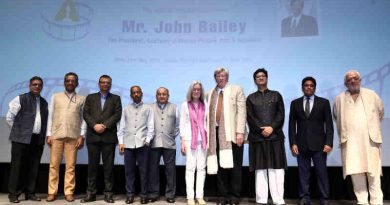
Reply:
x=358, y=113
x=65, y=130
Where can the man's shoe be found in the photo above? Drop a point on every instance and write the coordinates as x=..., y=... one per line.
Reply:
x=14, y=200
x=108, y=199
x=325, y=202
x=201, y=201
x=129, y=200
x=191, y=202
x=151, y=200
x=88, y=198
x=51, y=197
x=69, y=198
x=234, y=202
x=32, y=197
x=171, y=200
x=304, y=202
x=221, y=203
x=144, y=200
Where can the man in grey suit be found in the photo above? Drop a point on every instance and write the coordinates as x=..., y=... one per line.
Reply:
x=166, y=128
x=102, y=112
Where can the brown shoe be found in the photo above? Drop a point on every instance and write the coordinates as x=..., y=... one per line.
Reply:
x=51, y=197
x=69, y=197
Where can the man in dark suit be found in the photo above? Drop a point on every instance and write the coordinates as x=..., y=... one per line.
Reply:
x=27, y=117
x=311, y=138
x=102, y=111
x=299, y=24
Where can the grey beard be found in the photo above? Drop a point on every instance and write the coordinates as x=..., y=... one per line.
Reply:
x=354, y=90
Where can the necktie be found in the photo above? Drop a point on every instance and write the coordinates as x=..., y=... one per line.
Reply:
x=307, y=107
x=294, y=25
x=219, y=107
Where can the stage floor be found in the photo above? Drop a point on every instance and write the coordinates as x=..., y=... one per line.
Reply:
x=120, y=199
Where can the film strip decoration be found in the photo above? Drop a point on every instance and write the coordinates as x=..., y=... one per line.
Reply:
x=90, y=86
x=375, y=76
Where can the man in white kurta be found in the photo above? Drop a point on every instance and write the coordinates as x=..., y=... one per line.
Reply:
x=358, y=113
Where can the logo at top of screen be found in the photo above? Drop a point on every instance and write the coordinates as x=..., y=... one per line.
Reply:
x=66, y=20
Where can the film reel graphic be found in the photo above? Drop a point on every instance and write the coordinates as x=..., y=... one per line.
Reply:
x=71, y=22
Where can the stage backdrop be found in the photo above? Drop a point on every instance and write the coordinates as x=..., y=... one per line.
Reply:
x=170, y=43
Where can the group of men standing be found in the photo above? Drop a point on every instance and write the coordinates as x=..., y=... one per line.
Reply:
x=146, y=133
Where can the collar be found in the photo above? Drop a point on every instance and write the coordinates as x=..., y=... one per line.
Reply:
x=265, y=91
x=69, y=94
x=221, y=89
x=311, y=97
x=137, y=105
x=297, y=18
x=162, y=106
x=104, y=96
x=35, y=96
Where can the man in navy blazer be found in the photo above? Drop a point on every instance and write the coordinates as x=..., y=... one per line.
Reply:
x=299, y=24
x=311, y=138
x=102, y=112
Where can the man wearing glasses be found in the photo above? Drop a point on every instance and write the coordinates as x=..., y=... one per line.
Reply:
x=102, y=112
x=65, y=131
x=27, y=117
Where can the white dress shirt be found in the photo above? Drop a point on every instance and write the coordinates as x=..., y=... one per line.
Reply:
x=13, y=109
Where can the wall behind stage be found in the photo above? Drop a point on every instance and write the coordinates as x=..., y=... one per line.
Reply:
x=170, y=43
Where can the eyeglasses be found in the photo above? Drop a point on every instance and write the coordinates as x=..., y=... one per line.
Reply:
x=36, y=85
x=70, y=81
x=260, y=76
x=309, y=85
x=356, y=78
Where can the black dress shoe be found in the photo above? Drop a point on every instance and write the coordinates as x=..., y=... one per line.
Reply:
x=32, y=197
x=14, y=200
x=223, y=202
x=304, y=202
x=151, y=200
x=129, y=200
x=88, y=198
x=144, y=200
x=234, y=202
x=171, y=200
x=325, y=202
x=108, y=199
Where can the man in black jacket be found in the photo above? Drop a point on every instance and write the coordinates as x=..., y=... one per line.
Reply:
x=27, y=117
x=311, y=138
x=102, y=111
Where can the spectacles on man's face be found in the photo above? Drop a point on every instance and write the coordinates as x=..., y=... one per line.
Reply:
x=260, y=76
x=36, y=85
x=308, y=85
x=70, y=81
x=355, y=78
x=105, y=82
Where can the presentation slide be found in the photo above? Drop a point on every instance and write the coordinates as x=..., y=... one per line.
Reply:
x=170, y=43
